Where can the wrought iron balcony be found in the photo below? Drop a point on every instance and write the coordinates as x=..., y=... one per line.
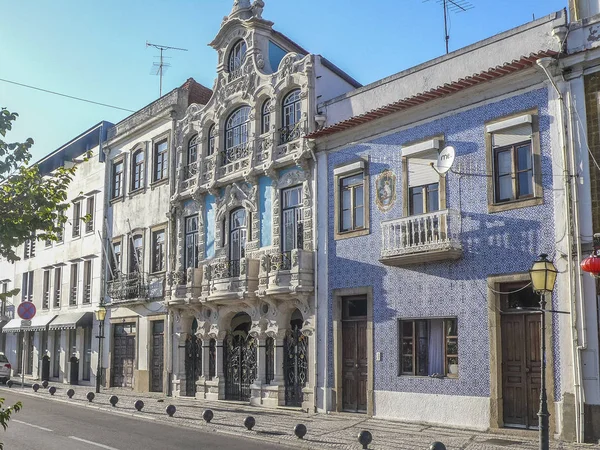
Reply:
x=235, y=158
x=292, y=132
x=190, y=170
x=127, y=287
x=286, y=273
x=416, y=239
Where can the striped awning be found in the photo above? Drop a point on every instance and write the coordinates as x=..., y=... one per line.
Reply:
x=38, y=323
x=70, y=321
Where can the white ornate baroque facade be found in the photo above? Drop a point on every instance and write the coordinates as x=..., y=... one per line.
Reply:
x=242, y=294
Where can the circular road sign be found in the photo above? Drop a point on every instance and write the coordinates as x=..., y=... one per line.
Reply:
x=26, y=310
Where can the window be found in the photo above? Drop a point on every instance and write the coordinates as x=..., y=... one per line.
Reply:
x=210, y=150
x=89, y=211
x=87, y=282
x=158, y=251
x=423, y=199
x=61, y=234
x=161, y=165
x=513, y=172
x=236, y=135
x=48, y=243
x=237, y=239
x=74, y=284
x=57, y=286
x=115, y=260
x=429, y=347
x=237, y=57
x=136, y=254
x=292, y=218
x=27, y=287
x=352, y=208
x=191, y=168
x=265, y=123
x=291, y=113
x=191, y=242
x=29, y=248
x=117, y=179
x=46, y=299
x=137, y=172
x=76, y=219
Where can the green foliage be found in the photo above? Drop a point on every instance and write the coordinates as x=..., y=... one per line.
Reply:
x=5, y=414
x=30, y=204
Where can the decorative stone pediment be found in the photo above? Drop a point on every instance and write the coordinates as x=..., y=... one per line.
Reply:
x=236, y=195
x=291, y=178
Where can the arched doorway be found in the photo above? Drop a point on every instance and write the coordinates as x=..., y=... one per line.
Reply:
x=240, y=359
x=295, y=365
x=193, y=361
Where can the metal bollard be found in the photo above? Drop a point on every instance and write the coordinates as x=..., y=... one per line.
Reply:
x=437, y=446
x=249, y=422
x=90, y=396
x=70, y=393
x=139, y=405
x=52, y=390
x=171, y=410
x=365, y=438
x=113, y=400
x=9, y=383
x=45, y=384
x=207, y=415
x=35, y=387
x=300, y=431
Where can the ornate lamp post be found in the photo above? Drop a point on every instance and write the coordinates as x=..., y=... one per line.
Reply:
x=543, y=276
x=100, y=315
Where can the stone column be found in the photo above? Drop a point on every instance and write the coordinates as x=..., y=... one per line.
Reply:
x=179, y=379
x=216, y=387
x=277, y=391
x=256, y=388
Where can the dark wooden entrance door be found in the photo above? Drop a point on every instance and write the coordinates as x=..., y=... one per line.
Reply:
x=123, y=355
x=193, y=364
x=354, y=365
x=521, y=368
x=157, y=362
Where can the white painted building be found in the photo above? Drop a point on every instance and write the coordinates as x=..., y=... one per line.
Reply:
x=64, y=278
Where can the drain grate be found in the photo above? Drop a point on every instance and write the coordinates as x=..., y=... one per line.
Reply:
x=501, y=442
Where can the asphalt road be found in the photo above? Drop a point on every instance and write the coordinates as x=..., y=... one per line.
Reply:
x=50, y=425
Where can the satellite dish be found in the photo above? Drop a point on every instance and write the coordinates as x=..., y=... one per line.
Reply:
x=445, y=160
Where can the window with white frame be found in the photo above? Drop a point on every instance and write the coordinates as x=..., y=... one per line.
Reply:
x=291, y=115
x=292, y=224
x=46, y=298
x=429, y=347
x=29, y=248
x=138, y=164
x=158, y=251
x=352, y=194
x=161, y=163
x=237, y=55
x=423, y=180
x=191, y=242
x=237, y=129
x=192, y=157
x=73, y=287
x=89, y=212
x=237, y=239
x=76, y=219
x=265, y=123
x=117, y=179
x=57, y=286
x=87, y=282
x=136, y=253
x=60, y=235
x=210, y=149
x=115, y=260
x=27, y=287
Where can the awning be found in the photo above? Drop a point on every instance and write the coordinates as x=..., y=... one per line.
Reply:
x=70, y=321
x=38, y=323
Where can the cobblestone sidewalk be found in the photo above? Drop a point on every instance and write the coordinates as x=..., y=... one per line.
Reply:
x=325, y=431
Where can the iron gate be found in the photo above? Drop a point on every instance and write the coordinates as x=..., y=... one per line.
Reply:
x=193, y=364
x=240, y=365
x=295, y=366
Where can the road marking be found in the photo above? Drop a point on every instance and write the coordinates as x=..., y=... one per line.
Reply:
x=92, y=443
x=32, y=425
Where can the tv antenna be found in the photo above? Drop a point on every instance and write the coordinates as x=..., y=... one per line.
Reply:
x=159, y=68
x=452, y=6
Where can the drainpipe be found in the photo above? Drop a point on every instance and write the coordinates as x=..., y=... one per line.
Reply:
x=316, y=272
x=172, y=247
x=574, y=294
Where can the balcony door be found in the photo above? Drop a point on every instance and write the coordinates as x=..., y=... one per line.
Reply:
x=237, y=240
x=292, y=219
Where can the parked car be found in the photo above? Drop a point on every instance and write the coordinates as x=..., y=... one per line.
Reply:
x=4, y=368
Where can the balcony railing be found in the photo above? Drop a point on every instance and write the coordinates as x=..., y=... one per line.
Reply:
x=292, y=132
x=286, y=273
x=280, y=261
x=226, y=269
x=190, y=170
x=128, y=287
x=426, y=237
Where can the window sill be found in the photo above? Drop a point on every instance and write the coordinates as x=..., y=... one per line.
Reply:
x=74, y=238
x=116, y=200
x=158, y=183
x=137, y=192
x=430, y=377
x=89, y=233
x=351, y=234
x=515, y=204
x=157, y=274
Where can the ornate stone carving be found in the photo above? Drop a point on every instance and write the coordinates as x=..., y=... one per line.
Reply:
x=260, y=60
x=291, y=178
x=236, y=195
x=257, y=8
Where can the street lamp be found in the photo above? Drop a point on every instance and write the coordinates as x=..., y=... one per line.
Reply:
x=543, y=276
x=100, y=315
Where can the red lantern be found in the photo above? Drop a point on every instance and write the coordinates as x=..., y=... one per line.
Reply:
x=591, y=264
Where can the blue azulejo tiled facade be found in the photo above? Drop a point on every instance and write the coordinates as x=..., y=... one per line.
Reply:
x=493, y=242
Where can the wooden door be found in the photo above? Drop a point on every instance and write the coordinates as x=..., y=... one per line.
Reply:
x=157, y=362
x=354, y=366
x=521, y=369
x=123, y=359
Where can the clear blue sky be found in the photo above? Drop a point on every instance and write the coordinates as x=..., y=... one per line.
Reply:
x=96, y=50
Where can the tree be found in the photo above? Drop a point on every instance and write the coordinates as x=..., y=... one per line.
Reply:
x=32, y=204
x=5, y=414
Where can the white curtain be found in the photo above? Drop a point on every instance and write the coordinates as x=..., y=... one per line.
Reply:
x=436, y=346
